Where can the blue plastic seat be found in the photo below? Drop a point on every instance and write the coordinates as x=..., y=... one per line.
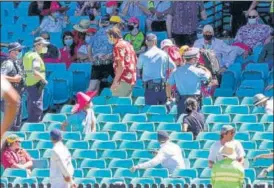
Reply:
x=181, y=136
x=211, y=109
x=251, y=174
x=99, y=100
x=134, y=118
x=247, y=101
x=30, y=127
x=267, y=118
x=171, y=127
x=131, y=136
x=72, y=136
x=141, y=154
x=54, y=67
x=93, y=163
x=119, y=101
x=99, y=173
x=138, y=92
x=85, y=181
x=84, y=154
x=208, y=136
x=199, y=181
x=40, y=172
x=12, y=173
x=54, y=117
x=256, y=84
x=48, y=97
x=266, y=145
x=121, y=163
x=235, y=109
x=115, y=127
x=189, y=173
x=161, y=118
x=173, y=181
x=40, y=163
x=207, y=101
x=262, y=67
x=215, y=118
x=226, y=101
x=223, y=92
x=22, y=181
x=141, y=127
x=140, y=101
x=39, y=136
x=251, y=154
x=27, y=144
x=132, y=145
x=149, y=136
x=97, y=136
x=244, y=136
x=104, y=145
x=189, y=144
x=47, y=153
x=245, y=118
x=229, y=81
x=153, y=145
x=208, y=144
x=195, y=154
x=125, y=109
x=108, y=118
x=258, y=163
x=200, y=163
x=109, y=154
x=258, y=110
x=102, y=109
x=142, y=181
x=156, y=172
x=247, y=145
x=247, y=91
x=263, y=136
x=252, y=75
x=252, y=127
x=155, y=109
x=113, y=181
x=34, y=153
x=126, y=173
x=77, y=144
x=78, y=173
x=206, y=173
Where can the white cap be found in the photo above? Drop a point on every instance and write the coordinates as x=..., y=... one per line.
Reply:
x=166, y=42
x=208, y=28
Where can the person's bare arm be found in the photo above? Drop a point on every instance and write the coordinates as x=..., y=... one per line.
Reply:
x=125, y=10
x=185, y=126
x=203, y=14
x=144, y=9
x=168, y=91
x=210, y=164
x=82, y=9
x=14, y=79
x=252, y=6
x=265, y=156
x=28, y=164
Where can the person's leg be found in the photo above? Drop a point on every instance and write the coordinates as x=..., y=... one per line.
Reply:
x=181, y=106
x=35, y=104
x=265, y=171
x=123, y=90
x=94, y=83
x=148, y=24
x=162, y=99
x=150, y=97
x=17, y=124
x=169, y=25
x=191, y=39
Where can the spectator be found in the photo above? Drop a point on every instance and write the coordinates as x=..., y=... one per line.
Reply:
x=68, y=52
x=253, y=33
x=100, y=54
x=37, y=7
x=267, y=53
x=227, y=136
x=52, y=54
x=182, y=51
x=54, y=21
x=154, y=64
x=188, y=79
x=194, y=121
x=116, y=21
x=87, y=8
x=135, y=36
x=265, y=171
x=112, y=8
x=227, y=172
x=83, y=110
x=61, y=168
x=134, y=8
x=226, y=54
x=14, y=73
x=182, y=21
x=263, y=101
x=13, y=156
x=172, y=51
x=124, y=64
x=157, y=19
x=169, y=156
x=35, y=79
x=12, y=99
x=80, y=31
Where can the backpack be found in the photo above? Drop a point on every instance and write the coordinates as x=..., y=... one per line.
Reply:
x=210, y=61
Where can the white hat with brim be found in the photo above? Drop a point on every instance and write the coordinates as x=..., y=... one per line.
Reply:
x=259, y=98
x=228, y=150
x=83, y=26
x=191, y=52
x=40, y=40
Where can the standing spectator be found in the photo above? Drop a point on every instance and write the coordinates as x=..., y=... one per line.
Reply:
x=124, y=65
x=194, y=121
x=14, y=73
x=100, y=54
x=265, y=171
x=227, y=136
x=227, y=172
x=154, y=65
x=112, y=8
x=188, y=79
x=173, y=51
x=266, y=102
x=169, y=155
x=68, y=52
x=37, y=7
x=134, y=8
x=87, y=8
x=135, y=36
x=52, y=54
x=12, y=99
x=254, y=33
x=61, y=169
x=157, y=19
x=54, y=21
x=226, y=54
x=13, y=156
x=35, y=79
x=83, y=110
x=182, y=21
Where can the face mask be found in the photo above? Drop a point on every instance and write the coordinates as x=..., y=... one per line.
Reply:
x=19, y=56
x=110, y=40
x=252, y=20
x=130, y=27
x=208, y=37
x=87, y=39
x=109, y=10
x=68, y=42
x=56, y=14
x=44, y=50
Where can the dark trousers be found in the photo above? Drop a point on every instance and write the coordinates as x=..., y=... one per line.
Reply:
x=181, y=108
x=35, y=104
x=184, y=39
x=155, y=98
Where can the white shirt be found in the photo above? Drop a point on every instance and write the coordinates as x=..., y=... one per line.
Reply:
x=5, y=86
x=50, y=25
x=60, y=166
x=269, y=107
x=215, y=156
x=90, y=118
x=169, y=156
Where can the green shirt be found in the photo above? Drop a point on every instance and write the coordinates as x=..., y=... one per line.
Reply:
x=227, y=173
x=137, y=41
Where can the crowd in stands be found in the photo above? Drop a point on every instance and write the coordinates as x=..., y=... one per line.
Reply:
x=123, y=42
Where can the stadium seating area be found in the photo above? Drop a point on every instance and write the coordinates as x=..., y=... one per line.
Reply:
x=127, y=128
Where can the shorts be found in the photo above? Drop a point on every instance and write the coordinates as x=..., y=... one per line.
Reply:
x=100, y=72
x=123, y=90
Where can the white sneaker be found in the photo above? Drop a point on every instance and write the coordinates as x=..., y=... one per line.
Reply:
x=263, y=174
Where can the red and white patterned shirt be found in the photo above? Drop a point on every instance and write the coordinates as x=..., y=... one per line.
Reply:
x=124, y=53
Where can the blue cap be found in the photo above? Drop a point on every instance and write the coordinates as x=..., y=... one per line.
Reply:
x=162, y=136
x=227, y=128
x=15, y=46
x=56, y=134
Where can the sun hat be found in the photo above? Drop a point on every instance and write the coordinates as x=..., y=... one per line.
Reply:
x=133, y=20
x=82, y=26
x=54, y=7
x=228, y=150
x=40, y=40
x=227, y=128
x=56, y=134
x=165, y=43
x=15, y=46
x=191, y=52
x=259, y=98
x=83, y=99
x=115, y=19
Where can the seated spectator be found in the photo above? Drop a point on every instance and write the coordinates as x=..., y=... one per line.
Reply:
x=68, y=52
x=13, y=156
x=194, y=121
x=134, y=8
x=226, y=54
x=112, y=8
x=52, y=54
x=80, y=31
x=88, y=8
x=54, y=20
x=135, y=37
x=253, y=33
x=265, y=171
x=37, y=7
x=157, y=19
x=116, y=21
x=182, y=51
x=172, y=51
x=263, y=101
x=83, y=110
x=267, y=53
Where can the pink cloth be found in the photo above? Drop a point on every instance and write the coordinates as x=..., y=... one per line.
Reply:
x=66, y=57
x=243, y=46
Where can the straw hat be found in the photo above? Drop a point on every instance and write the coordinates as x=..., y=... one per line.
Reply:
x=82, y=26
x=259, y=98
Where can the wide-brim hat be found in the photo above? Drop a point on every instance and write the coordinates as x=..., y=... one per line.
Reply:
x=15, y=46
x=83, y=99
x=259, y=98
x=191, y=52
x=228, y=150
x=10, y=139
x=54, y=6
x=83, y=26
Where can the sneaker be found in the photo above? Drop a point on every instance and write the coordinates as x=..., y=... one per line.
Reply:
x=263, y=174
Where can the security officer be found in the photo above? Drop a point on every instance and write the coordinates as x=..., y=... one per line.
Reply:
x=14, y=73
x=188, y=79
x=154, y=64
x=35, y=79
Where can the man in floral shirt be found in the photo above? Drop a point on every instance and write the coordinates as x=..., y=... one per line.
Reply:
x=124, y=64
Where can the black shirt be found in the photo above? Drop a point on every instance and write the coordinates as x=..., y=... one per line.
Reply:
x=195, y=122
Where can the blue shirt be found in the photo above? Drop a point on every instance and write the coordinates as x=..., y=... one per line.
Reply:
x=187, y=79
x=155, y=63
x=133, y=9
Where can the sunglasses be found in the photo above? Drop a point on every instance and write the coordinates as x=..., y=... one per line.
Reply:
x=252, y=16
